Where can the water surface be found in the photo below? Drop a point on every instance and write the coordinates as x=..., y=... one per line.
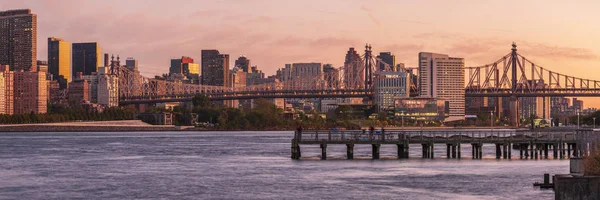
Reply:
x=248, y=165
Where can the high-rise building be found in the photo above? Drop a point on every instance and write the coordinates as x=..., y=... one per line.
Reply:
x=215, y=68
x=31, y=93
x=243, y=63
x=443, y=77
x=79, y=90
x=191, y=70
x=389, y=86
x=53, y=91
x=237, y=78
x=536, y=107
x=86, y=58
x=177, y=64
x=8, y=86
x=399, y=66
x=132, y=64
x=18, y=39
x=103, y=87
x=59, y=60
x=284, y=74
x=42, y=66
x=389, y=59
x=331, y=76
x=577, y=105
x=3, y=89
x=306, y=75
x=354, y=75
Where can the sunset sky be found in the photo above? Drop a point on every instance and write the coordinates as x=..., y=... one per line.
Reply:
x=562, y=36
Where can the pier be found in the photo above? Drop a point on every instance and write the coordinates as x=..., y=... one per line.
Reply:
x=530, y=144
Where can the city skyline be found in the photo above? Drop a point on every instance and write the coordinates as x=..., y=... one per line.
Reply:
x=275, y=37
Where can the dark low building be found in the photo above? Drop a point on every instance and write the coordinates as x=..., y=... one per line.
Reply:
x=421, y=109
x=161, y=118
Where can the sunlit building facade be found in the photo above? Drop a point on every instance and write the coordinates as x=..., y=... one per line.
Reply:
x=443, y=77
x=354, y=75
x=59, y=60
x=421, y=109
x=31, y=95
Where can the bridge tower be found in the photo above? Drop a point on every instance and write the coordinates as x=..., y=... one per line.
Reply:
x=368, y=73
x=514, y=100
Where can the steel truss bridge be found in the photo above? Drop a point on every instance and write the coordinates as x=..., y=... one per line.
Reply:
x=354, y=79
x=512, y=76
x=516, y=76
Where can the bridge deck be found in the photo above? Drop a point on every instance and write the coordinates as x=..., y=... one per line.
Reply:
x=529, y=143
x=432, y=136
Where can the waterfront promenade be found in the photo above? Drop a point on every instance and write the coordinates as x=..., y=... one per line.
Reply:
x=530, y=144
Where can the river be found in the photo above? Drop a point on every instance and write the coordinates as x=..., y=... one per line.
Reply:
x=248, y=165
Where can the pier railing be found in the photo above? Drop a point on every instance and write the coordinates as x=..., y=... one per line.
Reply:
x=412, y=136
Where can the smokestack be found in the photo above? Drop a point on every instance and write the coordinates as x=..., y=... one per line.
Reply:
x=105, y=60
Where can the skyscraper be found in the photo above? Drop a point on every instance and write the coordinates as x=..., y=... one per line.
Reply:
x=306, y=75
x=215, y=68
x=59, y=60
x=443, y=77
x=331, y=76
x=18, y=39
x=86, y=58
x=354, y=75
x=30, y=93
x=177, y=64
x=243, y=63
x=132, y=64
x=387, y=58
x=389, y=86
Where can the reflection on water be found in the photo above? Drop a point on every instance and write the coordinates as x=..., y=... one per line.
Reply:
x=248, y=165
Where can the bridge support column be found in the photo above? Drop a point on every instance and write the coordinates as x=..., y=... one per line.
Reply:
x=453, y=148
x=531, y=150
x=535, y=151
x=575, y=151
x=458, y=150
x=400, y=150
x=568, y=151
x=504, y=151
x=555, y=147
x=520, y=151
x=350, y=151
x=376, y=148
x=541, y=150
x=295, y=150
x=546, y=151
x=498, y=152
x=565, y=152
x=425, y=150
x=431, y=145
x=480, y=151
x=406, y=152
x=324, y=151
x=448, y=151
x=472, y=151
x=509, y=150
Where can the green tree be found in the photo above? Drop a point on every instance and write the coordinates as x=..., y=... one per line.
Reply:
x=201, y=101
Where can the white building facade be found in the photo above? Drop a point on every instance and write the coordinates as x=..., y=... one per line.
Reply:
x=443, y=77
x=103, y=87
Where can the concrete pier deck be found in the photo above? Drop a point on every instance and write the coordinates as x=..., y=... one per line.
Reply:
x=530, y=144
